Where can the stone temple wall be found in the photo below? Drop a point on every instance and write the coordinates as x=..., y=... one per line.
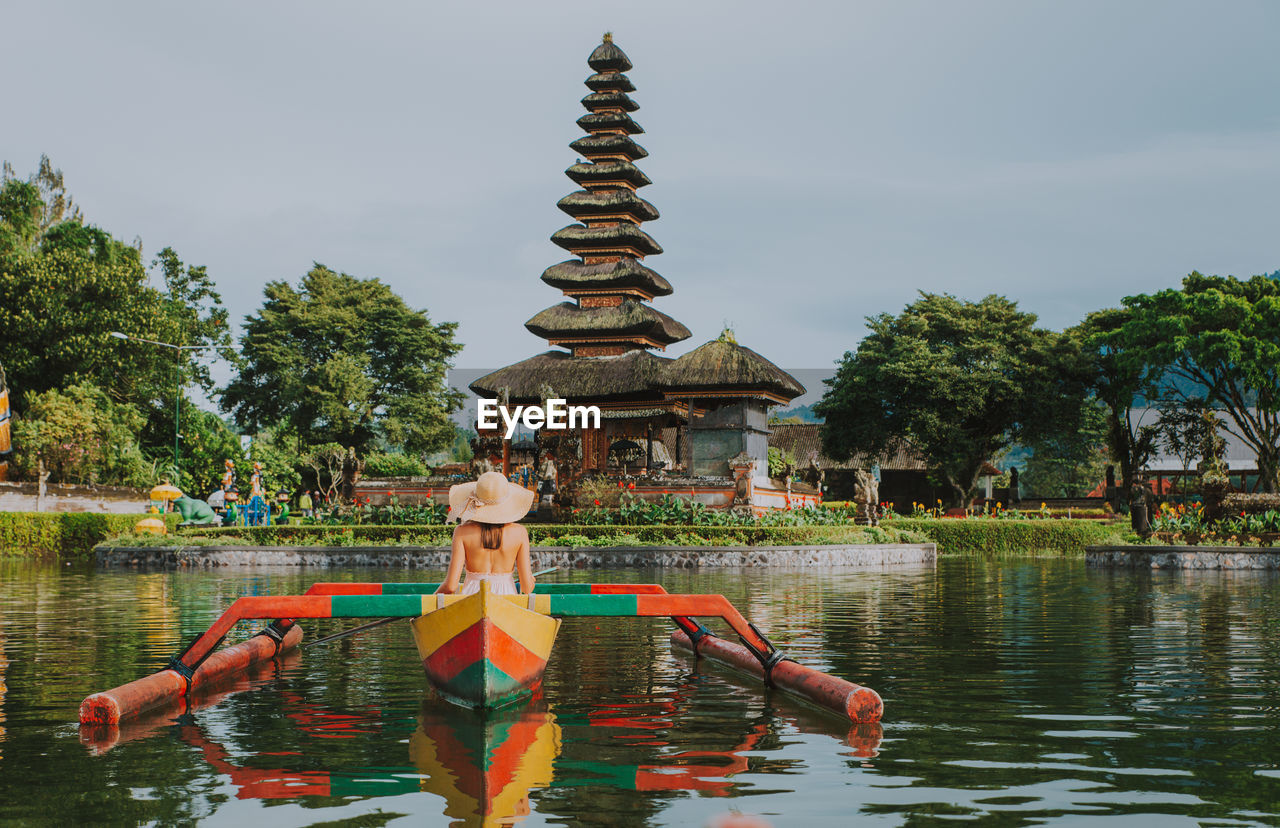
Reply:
x=1183, y=557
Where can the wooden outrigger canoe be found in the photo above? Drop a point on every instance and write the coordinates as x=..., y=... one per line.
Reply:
x=484, y=650
x=199, y=665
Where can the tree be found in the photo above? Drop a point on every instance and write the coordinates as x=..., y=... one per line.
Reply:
x=80, y=436
x=1183, y=430
x=1219, y=338
x=1118, y=374
x=327, y=462
x=1069, y=462
x=344, y=360
x=280, y=454
x=207, y=443
x=65, y=286
x=959, y=381
x=28, y=209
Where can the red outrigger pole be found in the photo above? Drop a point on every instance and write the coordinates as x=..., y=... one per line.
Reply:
x=199, y=665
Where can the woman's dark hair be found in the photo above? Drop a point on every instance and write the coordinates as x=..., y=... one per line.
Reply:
x=490, y=535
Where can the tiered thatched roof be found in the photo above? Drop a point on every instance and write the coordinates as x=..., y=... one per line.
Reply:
x=636, y=319
x=611, y=325
x=723, y=365
x=610, y=285
x=624, y=273
x=634, y=374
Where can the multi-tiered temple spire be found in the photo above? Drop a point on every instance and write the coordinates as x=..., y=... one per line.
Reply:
x=610, y=286
x=702, y=413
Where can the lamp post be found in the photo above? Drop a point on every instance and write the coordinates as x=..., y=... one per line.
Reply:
x=177, y=397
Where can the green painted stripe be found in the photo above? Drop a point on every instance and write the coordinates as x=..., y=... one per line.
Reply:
x=593, y=605
x=482, y=684
x=376, y=606
x=409, y=589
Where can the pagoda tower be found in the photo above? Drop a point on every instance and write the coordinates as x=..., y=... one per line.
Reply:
x=702, y=413
x=608, y=327
x=610, y=287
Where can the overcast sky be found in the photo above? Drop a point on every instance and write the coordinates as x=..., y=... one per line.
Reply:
x=814, y=163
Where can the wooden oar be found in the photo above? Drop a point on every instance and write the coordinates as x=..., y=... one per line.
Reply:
x=381, y=621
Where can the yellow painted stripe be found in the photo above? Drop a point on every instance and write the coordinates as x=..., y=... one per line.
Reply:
x=541, y=603
x=537, y=633
x=445, y=616
x=435, y=628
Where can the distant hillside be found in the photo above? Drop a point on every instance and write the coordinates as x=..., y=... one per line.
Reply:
x=800, y=413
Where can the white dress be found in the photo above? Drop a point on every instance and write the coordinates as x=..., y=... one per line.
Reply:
x=500, y=583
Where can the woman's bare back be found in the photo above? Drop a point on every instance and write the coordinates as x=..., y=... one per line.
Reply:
x=499, y=561
x=512, y=554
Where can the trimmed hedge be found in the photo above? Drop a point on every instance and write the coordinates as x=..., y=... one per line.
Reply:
x=67, y=535
x=987, y=536
x=550, y=534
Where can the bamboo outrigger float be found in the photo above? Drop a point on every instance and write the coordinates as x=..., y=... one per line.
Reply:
x=481, y=650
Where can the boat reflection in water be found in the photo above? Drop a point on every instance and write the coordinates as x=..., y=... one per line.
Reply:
x=485, y=764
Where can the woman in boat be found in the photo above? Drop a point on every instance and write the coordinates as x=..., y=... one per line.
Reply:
x=488, y=543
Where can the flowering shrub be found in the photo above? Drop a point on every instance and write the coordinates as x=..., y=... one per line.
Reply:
x=1180, y=519
x=361, y=512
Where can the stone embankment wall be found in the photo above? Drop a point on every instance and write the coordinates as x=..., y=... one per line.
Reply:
x=25, y=497
x=1183, y=557
x=437, y=557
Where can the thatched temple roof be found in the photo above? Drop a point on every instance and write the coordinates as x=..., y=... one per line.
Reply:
x=579, y=238
x=596, y=121
x=609, y=58
x=626, y=273
x=724, y=365
x=609, y=143
x=606, y=81
x=610, y=98
x=585, y=174
x=578, y=379
x=585, y=204
x=568, y=320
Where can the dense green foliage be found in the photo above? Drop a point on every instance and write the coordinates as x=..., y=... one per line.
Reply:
x=345, y=360
x=279, y=452
x=207, y=442
x=65, y=286
x=65, y=534
x=394, y=464
x=562, y=535
x=987, y=536
x=960, y=381
x=1221, y=336
x=1117, y=377
x=81, y=436
x=1069, y=462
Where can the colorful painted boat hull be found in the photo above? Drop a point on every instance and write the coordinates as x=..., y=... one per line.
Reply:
x=485, y=650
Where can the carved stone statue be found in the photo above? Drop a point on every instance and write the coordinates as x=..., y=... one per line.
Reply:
x=866, y=497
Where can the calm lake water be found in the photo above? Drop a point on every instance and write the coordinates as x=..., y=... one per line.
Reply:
x=1017, y=692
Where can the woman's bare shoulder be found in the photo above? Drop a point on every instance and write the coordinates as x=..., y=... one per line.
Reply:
x=519, y=529
x=467, y=528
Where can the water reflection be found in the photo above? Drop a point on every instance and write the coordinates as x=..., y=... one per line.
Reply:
x=1017, y=692
x=485, y=764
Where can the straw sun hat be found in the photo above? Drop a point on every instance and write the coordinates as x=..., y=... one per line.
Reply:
x=491, y=499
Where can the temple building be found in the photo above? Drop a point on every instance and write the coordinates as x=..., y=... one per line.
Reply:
x=699, y=420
